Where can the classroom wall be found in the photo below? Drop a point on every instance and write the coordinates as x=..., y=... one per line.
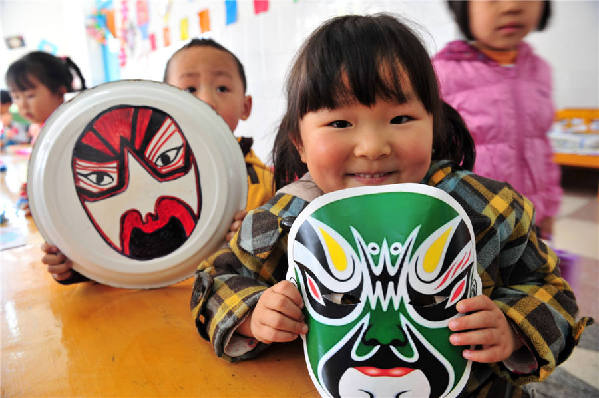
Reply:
x=266, y=42
x=58, y=22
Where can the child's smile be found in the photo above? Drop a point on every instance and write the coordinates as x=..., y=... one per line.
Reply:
x=372, y=178
x=355, y=145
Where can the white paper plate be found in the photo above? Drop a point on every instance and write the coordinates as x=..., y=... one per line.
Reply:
x=75, y=192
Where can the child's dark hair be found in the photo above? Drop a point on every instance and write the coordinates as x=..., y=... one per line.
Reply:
x=350, y=58
x=213, y=44
x=459, y=9
x=53, y=72
x=5, y=97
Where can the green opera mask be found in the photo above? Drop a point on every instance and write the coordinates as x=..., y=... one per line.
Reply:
x=380, y=270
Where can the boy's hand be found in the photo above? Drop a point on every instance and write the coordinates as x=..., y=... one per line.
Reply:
x=485, y=326
x=58, y=264
x=278, y=315
x=235, y=225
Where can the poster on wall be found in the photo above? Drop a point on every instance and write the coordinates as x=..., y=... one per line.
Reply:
x=13, y=42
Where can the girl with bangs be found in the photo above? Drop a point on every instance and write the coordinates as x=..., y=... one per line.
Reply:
x=363, y=108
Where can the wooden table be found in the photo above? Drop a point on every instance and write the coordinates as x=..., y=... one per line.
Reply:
x=94, y=340
x=576, y=160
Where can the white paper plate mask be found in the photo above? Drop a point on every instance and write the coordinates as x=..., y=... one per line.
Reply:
x=136, y=181
x=130, y=149
x=380, y=270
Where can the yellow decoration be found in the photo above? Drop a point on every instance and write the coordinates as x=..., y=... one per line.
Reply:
x=337, y=254
x=433, y=254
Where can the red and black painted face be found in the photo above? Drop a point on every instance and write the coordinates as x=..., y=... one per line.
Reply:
x=137, y=179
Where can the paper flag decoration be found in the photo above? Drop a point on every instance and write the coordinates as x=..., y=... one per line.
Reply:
x=152, y=38
x=260, y=6
x=166, y=32
x=184, y=28
x=45, y=45
x=231, y=11
x=204, y=17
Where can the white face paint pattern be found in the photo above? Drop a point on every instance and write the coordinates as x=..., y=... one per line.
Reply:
x=143, y=190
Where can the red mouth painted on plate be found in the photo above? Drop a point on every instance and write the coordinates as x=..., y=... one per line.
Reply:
x=172, y=216
x=378, y=372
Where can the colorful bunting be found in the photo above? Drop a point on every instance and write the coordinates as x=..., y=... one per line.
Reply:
x=260, y=6
x=166, y=32
x=231, y=11
x=204, y=17
x=152, y=38
x=184, y=28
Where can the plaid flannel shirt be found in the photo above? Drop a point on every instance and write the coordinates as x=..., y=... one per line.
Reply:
x=518, y=271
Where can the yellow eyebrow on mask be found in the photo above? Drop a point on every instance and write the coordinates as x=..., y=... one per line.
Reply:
x=335, y=250
x=433, y=254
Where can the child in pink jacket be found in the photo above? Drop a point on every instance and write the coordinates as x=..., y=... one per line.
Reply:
x=503, y=92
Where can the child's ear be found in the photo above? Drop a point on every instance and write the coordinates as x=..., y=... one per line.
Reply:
x=247, y=107
x=297, y=143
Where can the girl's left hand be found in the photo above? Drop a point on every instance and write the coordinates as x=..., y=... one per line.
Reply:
x=485, y=326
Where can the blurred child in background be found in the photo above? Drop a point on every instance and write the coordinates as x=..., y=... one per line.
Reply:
x=37, y=83
x=216, y=76
x=11, y=132
x=503, y=90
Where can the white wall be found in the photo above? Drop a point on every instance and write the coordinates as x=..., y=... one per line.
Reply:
x=60, y=22
x=571, y=45
x=266, y=43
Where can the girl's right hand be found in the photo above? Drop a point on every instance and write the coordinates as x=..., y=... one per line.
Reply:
x=278, y=315
x=59, y=266
x=235, y=225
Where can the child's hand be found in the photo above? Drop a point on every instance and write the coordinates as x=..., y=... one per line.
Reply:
x=236, y=224
x=58, y=264
x=484, y=326
x=546, y=228
x=278, y=315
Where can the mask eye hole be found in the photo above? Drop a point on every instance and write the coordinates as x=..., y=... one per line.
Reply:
x=424, y=300
x=342, y=298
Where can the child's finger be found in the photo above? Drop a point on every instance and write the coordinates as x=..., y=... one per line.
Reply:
x=235, y=226
x=240, y=215
x=284, y=324
x=476, y=320
x=53, y=259
x=63, y=275
x=290, y=291
x=488, y=354
x=48, y=248
x=269, y=335
x=282, y=304
x=60, y=268
x=477, y=303
x=269, y=325
x=229, y=236
x=475, y=337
